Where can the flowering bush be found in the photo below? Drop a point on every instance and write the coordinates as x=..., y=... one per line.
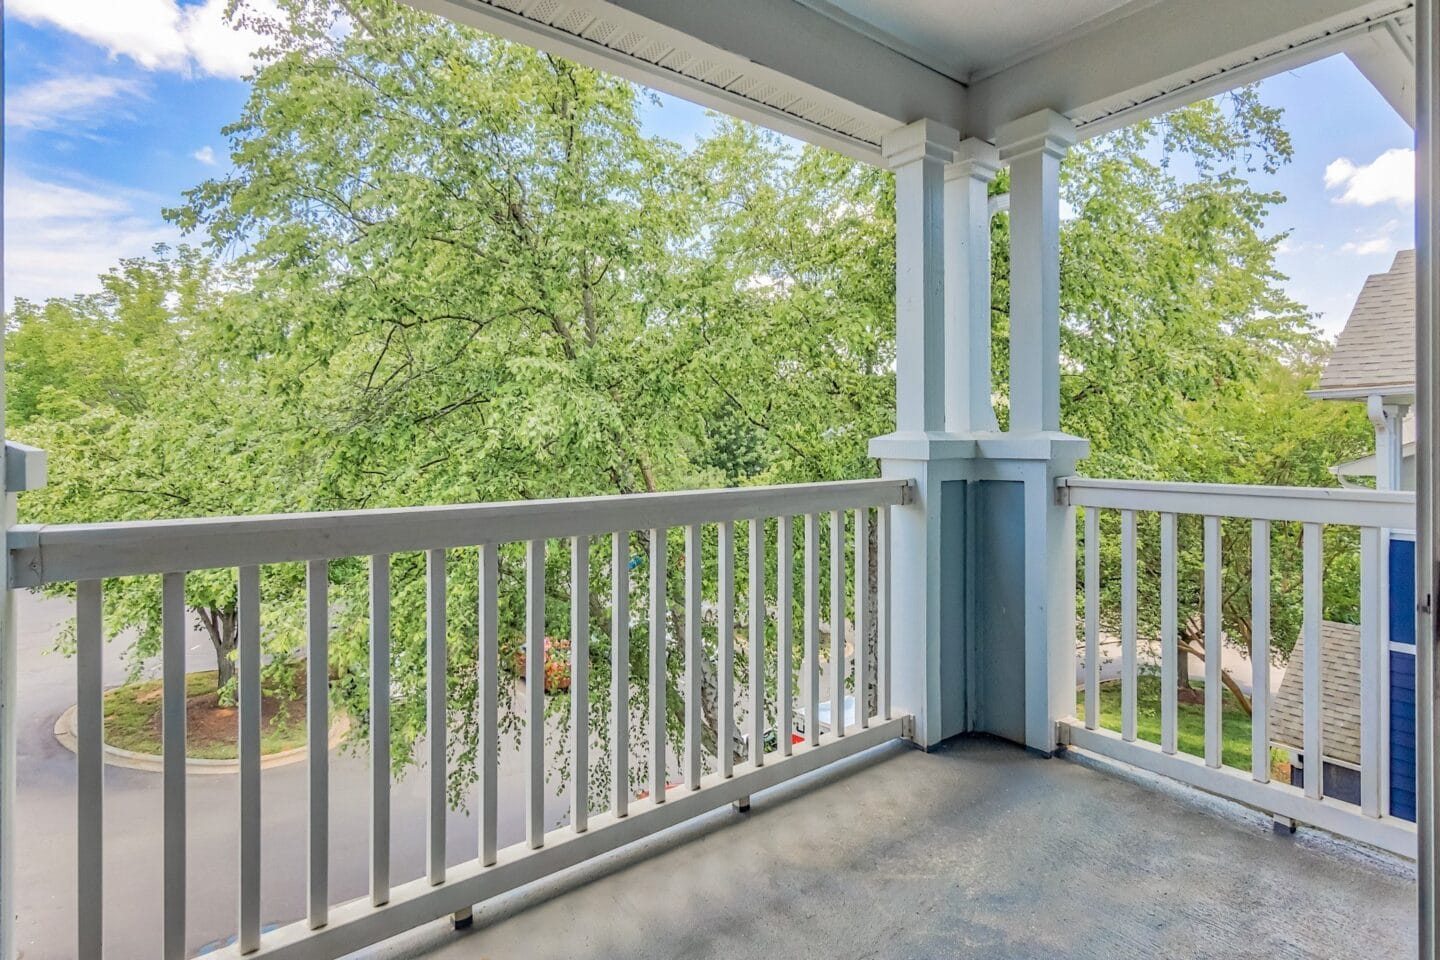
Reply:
x=557, y=664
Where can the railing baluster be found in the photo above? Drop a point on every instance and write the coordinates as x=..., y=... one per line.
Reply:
x=1314, y=605
x=1260, y=650
x=863, y=677
x=535, y=693
x=811, y=693
x=580, y=682
x=436, y=669
x=839, y=671
x=882, y=610
x=659, y=678
x=248, y=747
x=756, y=640
x=173, y=701
x=725, y=650
x=317, y=741
x=488, y=680
x=90, y=768
x=1129, y=659
x=1214, y=692
x=379, y=729
x=694, y=650
x=784, y=634
x=1371, y=671
x=620, y=673
x=1169, y=628
x=1092, y=617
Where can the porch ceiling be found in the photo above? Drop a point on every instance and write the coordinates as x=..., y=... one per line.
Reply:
x=842, y=73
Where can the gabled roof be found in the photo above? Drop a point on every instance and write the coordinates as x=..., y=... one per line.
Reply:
x=1339, y=696
x=1375, y=353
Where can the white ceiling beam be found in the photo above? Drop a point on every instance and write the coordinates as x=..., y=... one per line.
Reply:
x=778, y=42
x=1165, y=54
x=817, y=50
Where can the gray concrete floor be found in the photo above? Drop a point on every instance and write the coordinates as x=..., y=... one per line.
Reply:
x=977, y=850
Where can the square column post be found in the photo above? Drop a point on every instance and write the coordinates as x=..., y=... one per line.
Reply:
x=918, y=154
x=1028, y=532
x=1034, y=146
x=968, y=407
x=927, y=536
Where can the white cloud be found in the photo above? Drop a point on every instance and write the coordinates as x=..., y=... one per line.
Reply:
x=205, y=155
x=1380, y=240
x=1389, y=178
x=68, y=102
x=156, y=34
x=60, y=237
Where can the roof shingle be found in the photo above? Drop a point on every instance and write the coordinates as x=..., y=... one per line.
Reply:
x=1377, y=346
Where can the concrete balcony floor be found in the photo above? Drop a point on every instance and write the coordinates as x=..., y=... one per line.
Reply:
x=976, y=850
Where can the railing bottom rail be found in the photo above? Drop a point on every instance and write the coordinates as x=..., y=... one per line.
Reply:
x=357, y=924
x=1275, y=799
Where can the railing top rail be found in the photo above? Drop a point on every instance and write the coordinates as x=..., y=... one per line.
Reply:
x=40, y=554
x=1343, y=506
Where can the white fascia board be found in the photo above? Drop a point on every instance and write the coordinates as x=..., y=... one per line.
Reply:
x=1401, y=393
x=782, y=44
x=1385, y=55
x=1166, y=54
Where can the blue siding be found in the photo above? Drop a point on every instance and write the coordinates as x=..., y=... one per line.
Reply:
x=1402, y=679
x=1402, y=734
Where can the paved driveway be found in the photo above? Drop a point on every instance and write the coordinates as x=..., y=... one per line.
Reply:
x=45, y=822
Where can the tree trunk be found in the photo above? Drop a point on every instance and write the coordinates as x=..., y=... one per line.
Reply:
x=1186, y=691
x=221, y=626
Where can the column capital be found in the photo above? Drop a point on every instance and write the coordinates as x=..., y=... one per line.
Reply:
x=921, y=140
x=1042, y=131
x=976, y=159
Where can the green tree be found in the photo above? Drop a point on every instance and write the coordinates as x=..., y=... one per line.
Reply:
x=145, y=420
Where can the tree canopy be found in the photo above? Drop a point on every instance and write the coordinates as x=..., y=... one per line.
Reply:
x=445, y=268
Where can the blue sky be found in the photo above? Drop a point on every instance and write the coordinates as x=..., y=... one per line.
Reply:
x=113, y=107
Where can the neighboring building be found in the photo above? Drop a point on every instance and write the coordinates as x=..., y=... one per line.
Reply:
x=1374, y=362
x=1339, y=714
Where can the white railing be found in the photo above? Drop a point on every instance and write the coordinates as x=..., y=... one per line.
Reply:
x=90, y=554
x=1311, y=508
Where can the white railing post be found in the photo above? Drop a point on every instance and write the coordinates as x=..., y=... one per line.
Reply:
x=1372, y=672
x=1214, y=692
x=1092, y=618
x=24, y=469
x=1310, y=636
x=1129, y=655
x=1260, y=650
x=1169, y=633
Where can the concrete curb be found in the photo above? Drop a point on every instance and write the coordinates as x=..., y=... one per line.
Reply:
x=152, y=762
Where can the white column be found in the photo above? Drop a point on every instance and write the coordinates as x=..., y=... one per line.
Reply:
x=1033, y=147
x=968, y=406
x=1427, y=463
x=1034, y=452
x=918, y=154
x=926, y=544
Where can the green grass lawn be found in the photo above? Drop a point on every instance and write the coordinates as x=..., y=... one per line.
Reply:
x=132, y=718
x=1190, y=721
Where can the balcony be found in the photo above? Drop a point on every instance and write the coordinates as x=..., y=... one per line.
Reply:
x=1135, y=844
